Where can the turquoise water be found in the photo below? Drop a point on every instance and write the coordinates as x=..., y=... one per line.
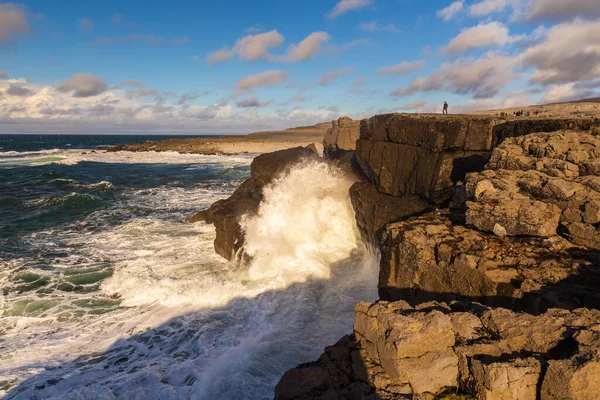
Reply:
x=107, y=292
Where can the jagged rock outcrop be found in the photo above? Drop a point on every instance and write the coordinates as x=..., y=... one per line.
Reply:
x=403, y=352
x=226, y=214
x=431, y=258
x=534, y=184
x=341, y=138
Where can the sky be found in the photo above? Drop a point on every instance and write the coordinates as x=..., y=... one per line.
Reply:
x=237, y=66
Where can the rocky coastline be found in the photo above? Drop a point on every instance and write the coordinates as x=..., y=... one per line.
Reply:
x=489, y=233
x=258, y=142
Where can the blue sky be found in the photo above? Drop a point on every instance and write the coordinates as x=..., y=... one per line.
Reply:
x=238, y=66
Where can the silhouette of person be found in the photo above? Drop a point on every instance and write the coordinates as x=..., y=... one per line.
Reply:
x=445, y=108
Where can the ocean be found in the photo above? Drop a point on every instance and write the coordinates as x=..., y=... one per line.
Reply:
x=107, y=292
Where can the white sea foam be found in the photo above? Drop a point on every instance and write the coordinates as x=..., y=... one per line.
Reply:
x=73, y=157
x=204, y=328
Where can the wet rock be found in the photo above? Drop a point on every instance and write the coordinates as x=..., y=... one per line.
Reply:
x=226, y=214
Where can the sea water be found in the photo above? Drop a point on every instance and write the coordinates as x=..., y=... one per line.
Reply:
x=106, y=292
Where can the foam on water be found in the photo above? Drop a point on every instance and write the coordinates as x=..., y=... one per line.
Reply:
x=73, y=157
x=170, y=318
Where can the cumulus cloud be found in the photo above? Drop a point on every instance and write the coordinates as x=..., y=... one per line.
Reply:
x=403, y=68
x=569, y=92
x=250, y=48
x=562, y=9
x=308, y=48
x=570, y=52
x=482, y=35
x=253, y=102
x=482, y=78
x=343, y=6
x=13, y=22
x=264, y=79
x=50, y=110
x=3, y=75
x=257, y=47
x=487, y=7
x=451, y=11
x=19, y=91
x=84, y=85
x=327, y=78
x=153, y=40
x=86, y=24
x=376, y=26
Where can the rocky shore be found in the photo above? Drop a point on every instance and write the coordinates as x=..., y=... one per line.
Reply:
x=258, y=142
x=488, y=230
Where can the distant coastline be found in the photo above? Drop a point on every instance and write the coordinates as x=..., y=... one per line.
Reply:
x=258, y=142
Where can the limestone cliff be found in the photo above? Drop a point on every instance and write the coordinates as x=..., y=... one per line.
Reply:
x=521, y=233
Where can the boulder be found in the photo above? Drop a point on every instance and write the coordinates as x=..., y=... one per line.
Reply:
x=226, y=214
x=403, y=352
x=430, y=258
x=341, y=138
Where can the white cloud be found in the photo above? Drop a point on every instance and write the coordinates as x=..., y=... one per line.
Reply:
x=253, y=102
x=84, y=85
x=49, y=110
x=451, y=11
x=3, y=75
x=570, y=52
x=482, y=35
x=250, y=48
x=308, y=48
x=19, y=90
x=264, y=79
x=403, y=68
x=257, y=47
x=13, y=22
x=86, y=24
x=482, y=78
x=487, y=7
x=568, y=92
x=562, y=9
x=343, y=6
x=327, y=78
x=376, y=26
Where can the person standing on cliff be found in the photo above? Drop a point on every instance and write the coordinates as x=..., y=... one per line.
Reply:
x=445, y=111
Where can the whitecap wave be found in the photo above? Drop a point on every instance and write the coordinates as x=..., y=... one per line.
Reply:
x=187, y=323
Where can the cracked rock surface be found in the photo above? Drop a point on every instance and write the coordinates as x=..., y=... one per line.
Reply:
x=398, y=351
